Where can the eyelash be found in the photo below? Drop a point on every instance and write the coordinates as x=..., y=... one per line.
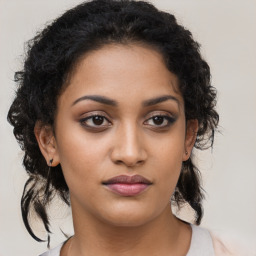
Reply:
x=83, y=121
x=170, y=120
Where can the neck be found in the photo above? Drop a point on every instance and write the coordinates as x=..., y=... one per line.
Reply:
x=160, y=236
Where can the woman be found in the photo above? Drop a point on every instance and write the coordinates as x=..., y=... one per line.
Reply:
x=113, y=97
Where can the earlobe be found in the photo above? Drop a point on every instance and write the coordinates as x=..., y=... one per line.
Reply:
x=47, y=143
x=191, y=135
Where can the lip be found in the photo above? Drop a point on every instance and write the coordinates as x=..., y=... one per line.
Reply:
x=125, y=185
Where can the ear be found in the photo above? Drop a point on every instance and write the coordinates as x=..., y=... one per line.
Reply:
x=47, y=143
x=191, y=134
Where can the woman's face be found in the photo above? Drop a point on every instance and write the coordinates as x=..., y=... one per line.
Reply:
x=121, y=114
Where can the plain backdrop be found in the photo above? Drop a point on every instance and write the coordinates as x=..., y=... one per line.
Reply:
x=226, y=30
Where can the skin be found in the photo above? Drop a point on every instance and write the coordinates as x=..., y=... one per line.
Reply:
x=129, y=141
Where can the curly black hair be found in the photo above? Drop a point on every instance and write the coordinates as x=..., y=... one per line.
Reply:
x=53, y=53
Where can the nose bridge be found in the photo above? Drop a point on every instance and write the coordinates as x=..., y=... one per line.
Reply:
x=129, y=148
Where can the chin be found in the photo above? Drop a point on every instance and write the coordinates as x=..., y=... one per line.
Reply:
x=128, y=218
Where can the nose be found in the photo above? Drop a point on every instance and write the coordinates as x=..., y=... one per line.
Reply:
x=128, y=147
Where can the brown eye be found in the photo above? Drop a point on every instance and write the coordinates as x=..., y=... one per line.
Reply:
x=98, y=120
x=158, y=120
x=95, y=121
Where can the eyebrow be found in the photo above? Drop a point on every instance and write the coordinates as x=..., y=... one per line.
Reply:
x=160, y=99
x=97, y=98
x=107, y=101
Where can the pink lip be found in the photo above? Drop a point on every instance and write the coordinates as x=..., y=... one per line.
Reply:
x=128, y=185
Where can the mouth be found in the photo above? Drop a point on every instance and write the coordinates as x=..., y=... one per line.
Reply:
x=125, y=185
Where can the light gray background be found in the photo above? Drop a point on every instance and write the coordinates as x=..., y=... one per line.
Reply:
x=227, y=33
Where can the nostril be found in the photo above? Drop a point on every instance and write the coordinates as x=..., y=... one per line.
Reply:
x=129, y=164
x=119, y=162
x=140, y=162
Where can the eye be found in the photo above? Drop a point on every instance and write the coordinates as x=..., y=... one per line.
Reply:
x=95, y=121
x=160, y=121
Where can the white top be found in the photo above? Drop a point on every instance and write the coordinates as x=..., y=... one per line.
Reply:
x=201, y=244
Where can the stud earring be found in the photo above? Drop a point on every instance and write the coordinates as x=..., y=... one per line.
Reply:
x=50, y=162
x=186, y=152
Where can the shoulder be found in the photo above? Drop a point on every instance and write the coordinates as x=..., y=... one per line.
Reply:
x=228, y=245
x=206, y=243
x=53, y=252
x=220, y=248
x=201, y=242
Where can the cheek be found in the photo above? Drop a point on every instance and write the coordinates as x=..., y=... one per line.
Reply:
x=74, y=143
x=80, y=157
x=168, y=161
x=170, y=169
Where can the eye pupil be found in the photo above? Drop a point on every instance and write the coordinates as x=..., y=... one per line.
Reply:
x=158, y=120
x=98, y=120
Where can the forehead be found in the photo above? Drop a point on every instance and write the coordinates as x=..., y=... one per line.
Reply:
x=121, y=71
